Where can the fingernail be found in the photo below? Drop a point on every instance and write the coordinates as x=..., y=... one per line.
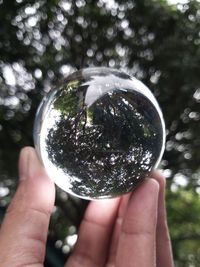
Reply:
x=24, y=163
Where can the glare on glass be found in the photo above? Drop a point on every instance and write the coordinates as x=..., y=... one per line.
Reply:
x=100, y=133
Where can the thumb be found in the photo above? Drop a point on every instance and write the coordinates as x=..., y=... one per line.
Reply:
x=24, y=230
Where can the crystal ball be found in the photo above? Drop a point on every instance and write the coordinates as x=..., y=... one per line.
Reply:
x=99, y=133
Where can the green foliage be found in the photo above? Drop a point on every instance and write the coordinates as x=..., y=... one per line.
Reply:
x=42, y=41
x=184, y=217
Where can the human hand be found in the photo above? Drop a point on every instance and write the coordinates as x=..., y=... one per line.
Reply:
x=128, y=231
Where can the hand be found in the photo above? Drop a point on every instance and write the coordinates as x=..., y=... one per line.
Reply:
x=130, y=231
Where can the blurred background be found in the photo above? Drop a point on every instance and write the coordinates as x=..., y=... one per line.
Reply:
x=42, y=41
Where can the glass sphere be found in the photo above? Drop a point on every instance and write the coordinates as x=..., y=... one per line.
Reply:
x=100, y=133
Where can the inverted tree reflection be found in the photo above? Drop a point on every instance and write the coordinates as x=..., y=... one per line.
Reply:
x=108, y=147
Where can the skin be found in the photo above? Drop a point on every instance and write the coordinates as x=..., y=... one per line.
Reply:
x=127, y=231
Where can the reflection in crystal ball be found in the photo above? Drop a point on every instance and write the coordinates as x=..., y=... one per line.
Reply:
x=100, y=133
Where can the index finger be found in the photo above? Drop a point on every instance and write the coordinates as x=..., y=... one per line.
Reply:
x=95, y=234
x=137, y=239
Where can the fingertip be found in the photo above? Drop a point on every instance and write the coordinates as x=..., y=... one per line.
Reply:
x=153, y=184
x=23, y=162
x=33, y=178
x=145, y=197
x=157, y=175
x=30, y=165
x=149, y=186
x=25, y=151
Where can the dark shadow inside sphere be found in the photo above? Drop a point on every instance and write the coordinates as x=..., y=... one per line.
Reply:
x=107, y=134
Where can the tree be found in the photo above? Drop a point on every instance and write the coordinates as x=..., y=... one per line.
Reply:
x=42, y=41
